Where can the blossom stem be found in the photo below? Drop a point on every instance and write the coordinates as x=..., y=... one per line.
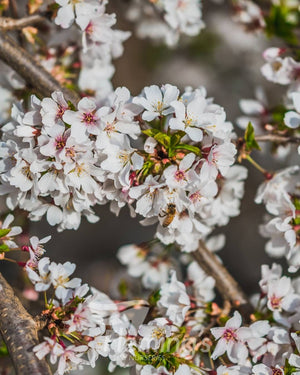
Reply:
x=45, y=299
x=256, y=165
x=9, y=260
x=19, y=332
x=225, y=283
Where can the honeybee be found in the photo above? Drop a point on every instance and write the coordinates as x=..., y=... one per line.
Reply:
x=169, y=214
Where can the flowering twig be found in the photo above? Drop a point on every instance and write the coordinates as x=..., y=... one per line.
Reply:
x=19, y=332
x=225, y=283
x=7, y=23
x=30, y=70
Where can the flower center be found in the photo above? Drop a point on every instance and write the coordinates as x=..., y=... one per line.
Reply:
x=229, y=335
x=179, y=175
x=89, y=118
x=276, y=65
x=60, y=143
x=158, y=333
x=276, y=371
x=70, y=152
x=27, y=173
x=275, y=302
x=61, y=280
x=61, y=111
x=195, y=197
x=159, y=106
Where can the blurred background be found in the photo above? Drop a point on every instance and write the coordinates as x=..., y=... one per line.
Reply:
x=226, y=60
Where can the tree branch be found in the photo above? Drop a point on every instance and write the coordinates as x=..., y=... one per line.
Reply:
x=7, y=23
x=276, y=138
x=225, y=283
x=19, y=332
x=30, y=70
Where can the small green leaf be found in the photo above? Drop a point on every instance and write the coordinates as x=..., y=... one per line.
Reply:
x=174, y=141
x=154, y=298
x=196, y=150
x=140, y=357
x=123, y=288
x=278, y=23
x=151, y=132
x=4, y=232
x=250, y=138
x=4, y=248
x=162, y=138
x=3, y=350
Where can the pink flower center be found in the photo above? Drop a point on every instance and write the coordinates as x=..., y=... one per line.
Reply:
x=89, y=118
x=276, y=371
x=179, y=175
x=60, y=143
x=89, y=29
x=195, y=197
x=275, y=302
x=70, y=152
x=61, y=111
x=229, y=335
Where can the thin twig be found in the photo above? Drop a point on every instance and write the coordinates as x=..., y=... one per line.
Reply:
x=225, y=283
x=7, y=23
x=30, y=70
x=19, y=332
x=276, y=138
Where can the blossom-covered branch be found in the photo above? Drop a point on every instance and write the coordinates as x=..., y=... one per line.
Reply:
x=29, y=69
x=19, y=332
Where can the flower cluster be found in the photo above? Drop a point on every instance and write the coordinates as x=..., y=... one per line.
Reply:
x=268, y=340
x=167, y=19
x=101, y=43
x=280, y=194
x=276, y=120
x=85, y=324
x=168, y=157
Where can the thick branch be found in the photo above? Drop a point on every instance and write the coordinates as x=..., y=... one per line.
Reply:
x=225, y=283
x=19, y=332
x=7, y=23
x=276, y=138
x=30, y=70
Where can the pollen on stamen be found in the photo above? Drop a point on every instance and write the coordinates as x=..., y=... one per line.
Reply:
x=89, y=118
x=179, y=175
x=229, y=335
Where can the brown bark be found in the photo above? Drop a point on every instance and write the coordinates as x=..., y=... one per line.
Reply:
x=30, y=70
x=225, y=283
x=7, y=23
x=19, y=332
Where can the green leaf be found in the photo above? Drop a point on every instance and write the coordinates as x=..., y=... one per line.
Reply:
x=3, y=350
x=174, y=141
x=140, y=357
x=151, y=132
x=4, y=248
x=196, y=150
x=278, y=23
x=154, y=298
x=162, y=138
x=123, y=288
x=171, y=344
x=4, y=232
x=251, y=143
